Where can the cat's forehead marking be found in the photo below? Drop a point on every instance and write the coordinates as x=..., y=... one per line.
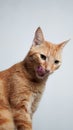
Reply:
x=50, y=48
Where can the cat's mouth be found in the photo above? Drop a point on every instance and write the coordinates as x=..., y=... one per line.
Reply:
x=41, y=72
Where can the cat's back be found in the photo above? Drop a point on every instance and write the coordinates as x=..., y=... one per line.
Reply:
x=7, y=76
x=11, y=77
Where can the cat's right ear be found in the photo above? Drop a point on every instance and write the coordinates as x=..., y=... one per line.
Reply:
x=38, y=38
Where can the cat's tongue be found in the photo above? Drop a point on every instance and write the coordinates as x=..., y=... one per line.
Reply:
x=40, y=71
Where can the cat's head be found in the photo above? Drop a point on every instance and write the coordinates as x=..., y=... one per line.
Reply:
x=44, y=56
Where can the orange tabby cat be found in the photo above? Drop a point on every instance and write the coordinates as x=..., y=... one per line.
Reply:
x=22, y=85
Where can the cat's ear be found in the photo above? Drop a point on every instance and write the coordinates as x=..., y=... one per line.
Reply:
x=38, y=38
x=61, y=45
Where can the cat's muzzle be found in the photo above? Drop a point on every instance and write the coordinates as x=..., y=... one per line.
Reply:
x=41, y=72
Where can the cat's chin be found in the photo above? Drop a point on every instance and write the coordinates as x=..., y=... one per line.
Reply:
x=43, y=76
x=40, y=76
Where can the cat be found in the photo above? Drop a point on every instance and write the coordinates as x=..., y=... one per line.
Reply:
x=22, y=85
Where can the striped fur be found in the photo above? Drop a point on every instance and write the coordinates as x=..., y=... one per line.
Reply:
x=22, y=85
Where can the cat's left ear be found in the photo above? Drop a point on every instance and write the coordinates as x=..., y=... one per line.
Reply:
x=61, y=45
x=38, y=38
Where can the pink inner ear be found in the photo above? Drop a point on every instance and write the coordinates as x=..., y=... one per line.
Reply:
x=36, y=42
x=38, y=38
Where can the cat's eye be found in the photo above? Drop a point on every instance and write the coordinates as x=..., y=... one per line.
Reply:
x=43, y=56
x=56, y=61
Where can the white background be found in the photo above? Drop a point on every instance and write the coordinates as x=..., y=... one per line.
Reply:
x=18, y=22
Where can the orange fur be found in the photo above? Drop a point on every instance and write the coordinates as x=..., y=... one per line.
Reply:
x=22, y=85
